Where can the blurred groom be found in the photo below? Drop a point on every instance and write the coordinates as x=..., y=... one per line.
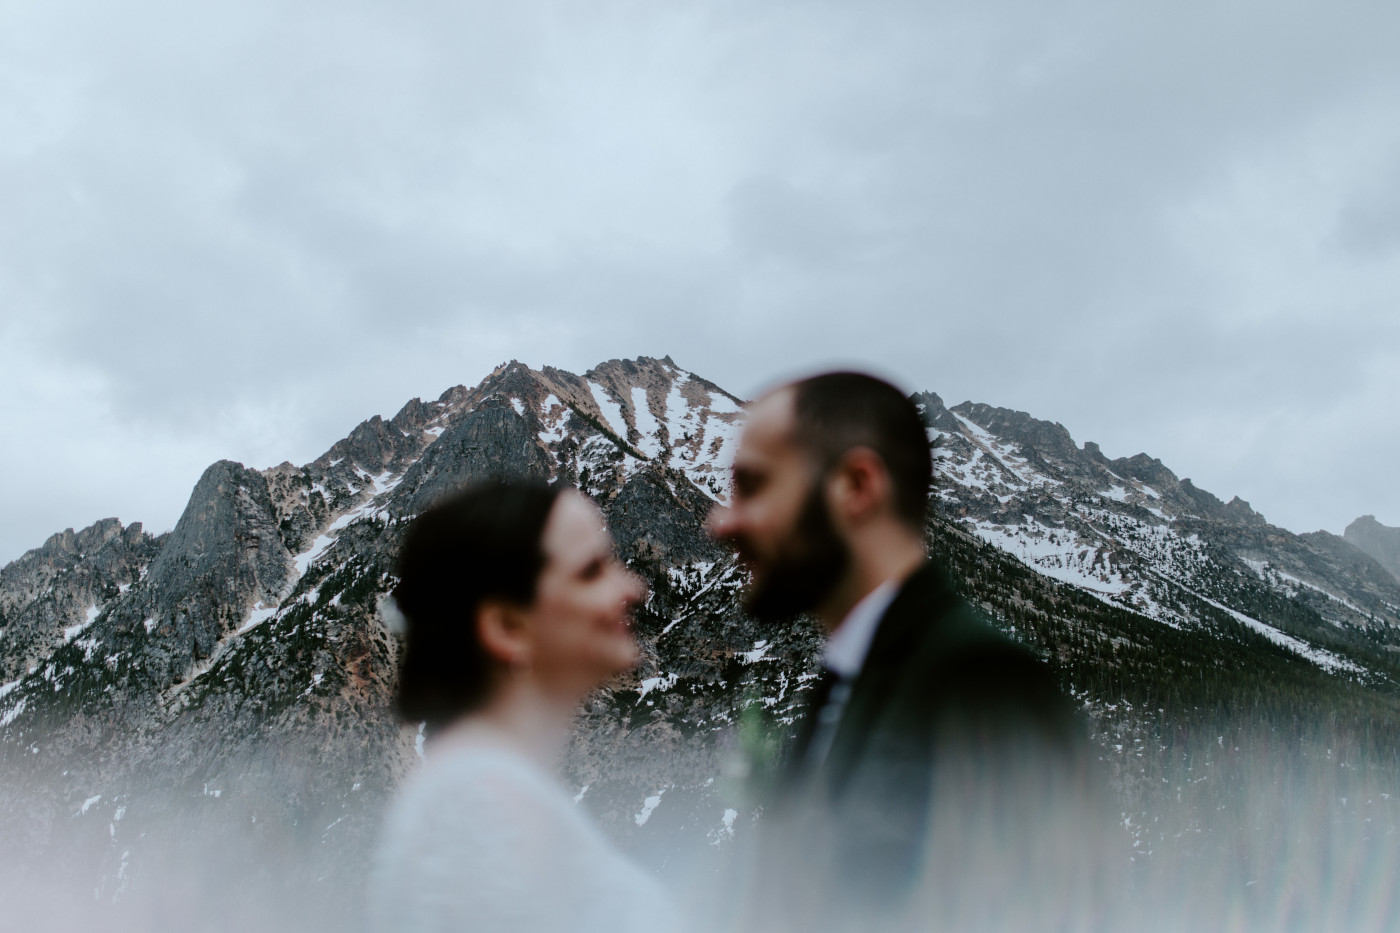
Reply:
x=939, y=773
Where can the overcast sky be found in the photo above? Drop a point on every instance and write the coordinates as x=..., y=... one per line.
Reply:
x=235, y=230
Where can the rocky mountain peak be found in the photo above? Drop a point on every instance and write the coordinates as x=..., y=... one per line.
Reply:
x=1025, y=486
x=1092, y=451
x=1238, y=510
x=90, y=538
x=52, y=593
x=493, y=439
x=233, y=676
x=1380, y=542
x=1199, y=500
x=1145, y=469
x=936, y=414
x=1046, y=437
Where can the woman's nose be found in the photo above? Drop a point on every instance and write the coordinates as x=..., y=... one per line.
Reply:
x=635, y=591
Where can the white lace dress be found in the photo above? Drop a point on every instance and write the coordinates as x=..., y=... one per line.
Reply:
x=481, y=839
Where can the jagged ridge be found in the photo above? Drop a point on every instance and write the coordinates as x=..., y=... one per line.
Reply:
x=235, y=672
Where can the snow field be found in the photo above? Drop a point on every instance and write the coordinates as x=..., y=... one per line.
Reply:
x=1056, y=553
x=647, y=425
x=1062, y=554
x=648, y=805
x=553, y=415
x=612, y=411
x=73, y=631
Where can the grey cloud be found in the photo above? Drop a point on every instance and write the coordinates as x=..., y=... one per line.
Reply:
x=773, y=218
x=256, y=225
x=1369, y=226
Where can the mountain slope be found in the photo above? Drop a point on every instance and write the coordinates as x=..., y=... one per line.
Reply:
x=213, y=702
x=1378, y=541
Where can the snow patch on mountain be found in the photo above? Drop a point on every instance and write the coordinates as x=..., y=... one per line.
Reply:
x=678, y=410
x=660, y=684
x=1290, y=584
x=612, y=411
x=1323, y=659
x=256, y=616
x=73, y=631
x=647, y=425
x=1018, y=468
x=721, y=404
x=648, y=805
x=382, y=484
x=1055, y=553
x=759, y=652
x=13, y=713
x=553, y=415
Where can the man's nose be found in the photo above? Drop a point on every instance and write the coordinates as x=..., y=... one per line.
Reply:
x=718, y=522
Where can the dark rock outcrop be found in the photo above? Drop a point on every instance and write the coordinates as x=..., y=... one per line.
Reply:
x=491, y=441
x=225, y=555
x=50, y=593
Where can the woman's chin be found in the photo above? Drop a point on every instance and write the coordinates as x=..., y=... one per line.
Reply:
x=618, y=666
x=627, y=660
x=626, y=651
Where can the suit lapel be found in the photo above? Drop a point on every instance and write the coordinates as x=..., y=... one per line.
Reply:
x=904, y=630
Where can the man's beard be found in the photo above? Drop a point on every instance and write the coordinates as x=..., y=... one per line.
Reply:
x=809, y=565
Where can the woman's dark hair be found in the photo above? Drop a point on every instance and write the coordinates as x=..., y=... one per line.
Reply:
x=478, y=544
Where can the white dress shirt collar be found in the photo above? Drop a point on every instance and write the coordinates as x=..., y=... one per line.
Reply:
x=850, y=643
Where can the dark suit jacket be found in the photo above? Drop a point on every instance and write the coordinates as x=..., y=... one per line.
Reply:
x=955, y=754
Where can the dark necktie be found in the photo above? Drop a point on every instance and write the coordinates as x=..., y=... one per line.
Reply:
x=828, y=717
x=827, y=699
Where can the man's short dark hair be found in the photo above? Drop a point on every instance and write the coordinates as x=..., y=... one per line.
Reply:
x=834, y=412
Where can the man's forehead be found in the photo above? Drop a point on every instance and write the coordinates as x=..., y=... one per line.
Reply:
x=768, y=427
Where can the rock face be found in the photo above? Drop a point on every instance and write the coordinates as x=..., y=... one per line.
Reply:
x=213, y=704
x=51, y=594
x=491, y=440
x=225, y=556
x=1378, y=541
x=234, y=675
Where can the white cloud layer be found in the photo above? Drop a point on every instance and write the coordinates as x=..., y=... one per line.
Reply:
x=237, y=229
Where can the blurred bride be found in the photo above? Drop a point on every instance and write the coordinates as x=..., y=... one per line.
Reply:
x=515, y=608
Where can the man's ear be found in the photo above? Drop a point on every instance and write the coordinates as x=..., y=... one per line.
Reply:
x=503, y=632
x=859, y=485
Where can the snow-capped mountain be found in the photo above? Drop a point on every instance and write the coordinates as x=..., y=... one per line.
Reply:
x=1128, y=530
x=234, y=672
x=212, y=703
